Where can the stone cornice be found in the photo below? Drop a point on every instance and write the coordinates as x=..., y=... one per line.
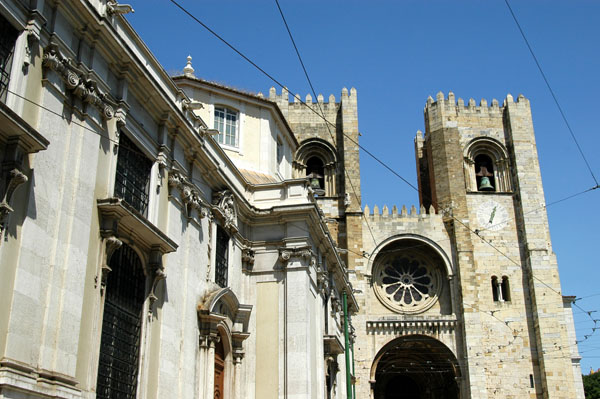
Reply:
x=77, y=81
x=411, y=326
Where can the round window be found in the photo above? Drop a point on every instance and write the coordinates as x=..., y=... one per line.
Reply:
x=407, y=283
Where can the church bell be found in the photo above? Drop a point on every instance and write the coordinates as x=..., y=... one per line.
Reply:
x=485, y=184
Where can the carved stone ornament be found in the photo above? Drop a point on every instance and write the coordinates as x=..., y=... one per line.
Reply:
x=14, y=179
x=285, y=254
x=322, y=280
x=111, y=243
x=158, y=274
x=189, y=195
x=247, y=259
x=112, y=7
x=76, y=80
x=225, y=205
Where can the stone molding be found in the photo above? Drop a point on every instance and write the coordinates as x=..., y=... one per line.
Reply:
x=38, y=382
x=247, y=259
x=77, y=81
x=411, y=326
x=19, y=139
x=225, y=208
x=119, y=222
x=305, y=252
x=220, y=311
x=190, y=196
x=332, y=345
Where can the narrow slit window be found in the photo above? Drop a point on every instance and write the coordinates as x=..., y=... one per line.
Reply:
x=505, y=289
x=495, y=290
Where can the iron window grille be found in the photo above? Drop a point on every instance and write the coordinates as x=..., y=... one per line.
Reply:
x=121, y=327
x=226, y=122
x=8, y=37
x=133, y=175
x=222, y=257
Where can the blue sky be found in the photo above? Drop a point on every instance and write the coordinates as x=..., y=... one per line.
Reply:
x=396, y=54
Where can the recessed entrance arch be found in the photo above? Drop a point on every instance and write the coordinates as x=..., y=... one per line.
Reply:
x=415, y=367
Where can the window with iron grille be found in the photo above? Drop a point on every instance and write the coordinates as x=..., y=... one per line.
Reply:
x=121, y=327
x=222, y=258
x=133, y=175
x=8, y=37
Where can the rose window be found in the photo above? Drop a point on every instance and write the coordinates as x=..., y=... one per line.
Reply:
x=407, y=283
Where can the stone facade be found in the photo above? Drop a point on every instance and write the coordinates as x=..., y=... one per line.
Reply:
x=167, y=223
x=144, y=253
x=498, y=317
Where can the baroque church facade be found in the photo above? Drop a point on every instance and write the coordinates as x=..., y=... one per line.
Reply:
x=172, y=237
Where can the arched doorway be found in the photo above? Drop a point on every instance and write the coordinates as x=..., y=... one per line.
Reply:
x=415, y=367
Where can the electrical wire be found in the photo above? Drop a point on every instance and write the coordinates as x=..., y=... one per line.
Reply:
x=351, y=139
x=322, y=112
x=551, y=92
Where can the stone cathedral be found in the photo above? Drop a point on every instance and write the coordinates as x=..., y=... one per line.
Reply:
x=459, y=297
x=166, y=236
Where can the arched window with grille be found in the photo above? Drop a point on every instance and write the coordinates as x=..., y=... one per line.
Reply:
x=121, y=326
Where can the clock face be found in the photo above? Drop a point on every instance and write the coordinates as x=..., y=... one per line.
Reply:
x=492, y=216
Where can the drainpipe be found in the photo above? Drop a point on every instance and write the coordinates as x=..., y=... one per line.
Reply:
x=347, y=346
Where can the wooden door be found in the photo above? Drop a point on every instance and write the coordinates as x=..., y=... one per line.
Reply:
x=219, y=370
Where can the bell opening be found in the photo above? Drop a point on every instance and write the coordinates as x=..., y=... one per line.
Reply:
x=484, y=173
x=315, y=173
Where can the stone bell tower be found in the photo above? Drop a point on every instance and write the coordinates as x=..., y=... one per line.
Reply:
x=328, y=137
x=478, y=166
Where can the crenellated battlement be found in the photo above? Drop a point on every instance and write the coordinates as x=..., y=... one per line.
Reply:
x=296, y=101
x=449, y=103
x=404, y=212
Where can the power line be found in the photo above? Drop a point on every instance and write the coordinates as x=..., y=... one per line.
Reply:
x=551, y=92
x=321, y=110
x=369, y=153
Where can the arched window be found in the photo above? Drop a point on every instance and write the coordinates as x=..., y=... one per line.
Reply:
x=500, y=289
x=121, y=326
x=226, y=122
x=314, y=167
x=486, y=166
x=318, y=157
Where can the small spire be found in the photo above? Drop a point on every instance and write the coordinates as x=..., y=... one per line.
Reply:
x=189, y=70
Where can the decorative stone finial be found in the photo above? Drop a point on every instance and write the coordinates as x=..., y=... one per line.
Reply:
x=189, y=70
